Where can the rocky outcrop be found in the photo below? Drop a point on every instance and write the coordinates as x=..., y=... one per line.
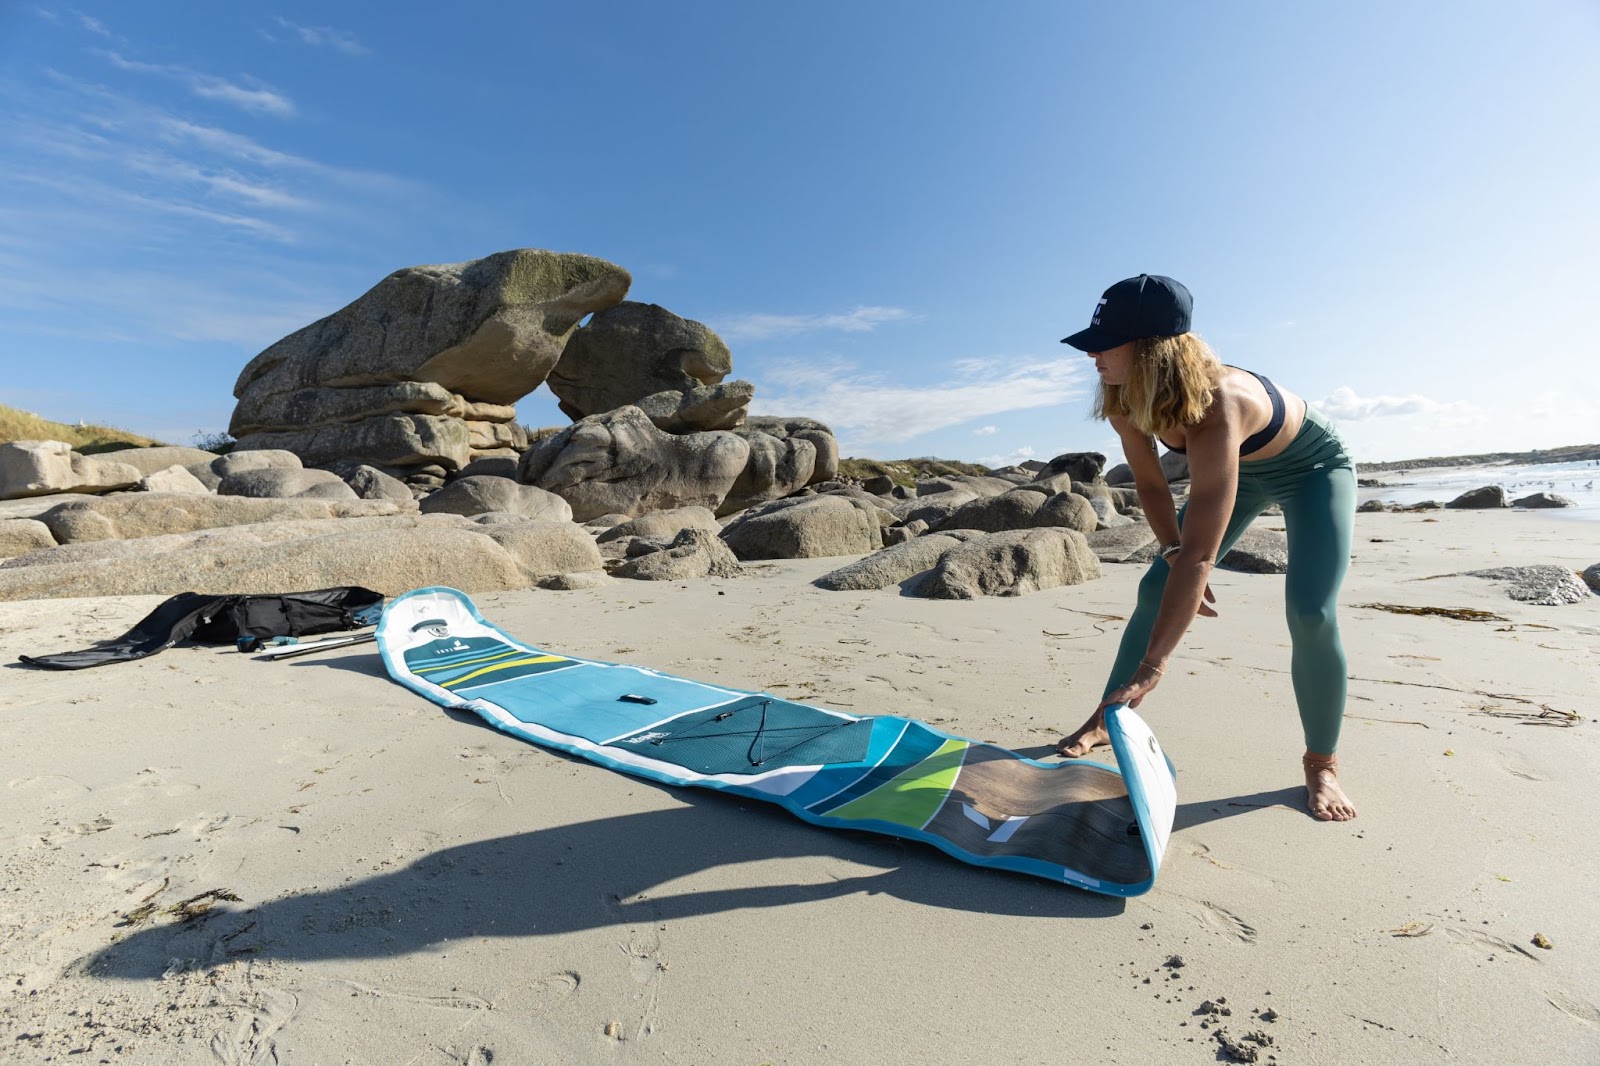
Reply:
x=826, y=465
x=150, y=514
x=422, y=370
x=620, y=462
x=43, y=467
x=723, y=406
x=805, y=527
x=694, y=552
x=370, y=483
x=390, y=555
x=777, y=467
x=991, y=514
x=483, y=494
x=1011, y=564
x=635, y=350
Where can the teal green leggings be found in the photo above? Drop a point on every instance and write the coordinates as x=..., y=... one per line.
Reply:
x=1314, y=482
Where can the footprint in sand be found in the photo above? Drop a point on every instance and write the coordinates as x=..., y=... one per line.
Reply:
x=1477, y=938
x=550, y=991
x=55, y=786
x=251, y=1043
x=1517, y=766
x=1573, y=1007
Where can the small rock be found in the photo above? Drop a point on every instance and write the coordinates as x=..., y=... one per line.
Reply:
x=1175, y=962
x=1542, y=941
x=614, y=1030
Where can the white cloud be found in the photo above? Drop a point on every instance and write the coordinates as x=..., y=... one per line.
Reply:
x=325, y=37
x=1344, y=404
x=258, y=96
x=985, y=431
x=866, y=411
x=756, y=325
x=994, y=462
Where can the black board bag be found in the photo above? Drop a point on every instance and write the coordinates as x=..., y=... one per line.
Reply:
x=206, y=619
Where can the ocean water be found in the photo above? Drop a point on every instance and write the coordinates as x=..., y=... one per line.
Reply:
x=1578, y=482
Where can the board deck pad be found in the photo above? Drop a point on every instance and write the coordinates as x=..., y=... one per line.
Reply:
x=1098, y=827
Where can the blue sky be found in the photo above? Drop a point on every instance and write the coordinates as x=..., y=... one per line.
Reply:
x=891, y=211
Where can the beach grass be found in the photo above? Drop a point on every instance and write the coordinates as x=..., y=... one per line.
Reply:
x=17, y=424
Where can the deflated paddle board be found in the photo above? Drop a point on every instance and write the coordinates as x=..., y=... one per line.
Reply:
x=1082, y=823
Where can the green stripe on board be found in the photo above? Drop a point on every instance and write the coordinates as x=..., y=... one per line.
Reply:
x=912, y=796
x=433, y=669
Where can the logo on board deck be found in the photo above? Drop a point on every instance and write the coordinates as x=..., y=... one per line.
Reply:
x=454, y=646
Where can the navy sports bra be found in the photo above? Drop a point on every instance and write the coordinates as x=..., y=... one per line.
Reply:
x=1256, y=441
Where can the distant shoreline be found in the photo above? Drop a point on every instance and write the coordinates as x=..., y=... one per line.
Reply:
x=1577, y=453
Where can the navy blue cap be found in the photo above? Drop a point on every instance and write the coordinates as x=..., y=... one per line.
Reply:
x=1146, y=306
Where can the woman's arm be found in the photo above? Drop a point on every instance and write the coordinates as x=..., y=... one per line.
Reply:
x=1149, y=480
x=1213, y=451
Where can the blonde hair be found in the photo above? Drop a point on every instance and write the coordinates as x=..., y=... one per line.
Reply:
x=1172, y=384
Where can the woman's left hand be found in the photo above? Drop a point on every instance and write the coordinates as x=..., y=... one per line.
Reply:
x=1138, y=687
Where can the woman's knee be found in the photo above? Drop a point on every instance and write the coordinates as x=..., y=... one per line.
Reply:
x=1313, y=621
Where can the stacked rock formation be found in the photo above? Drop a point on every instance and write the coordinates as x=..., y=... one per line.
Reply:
x=419, y=375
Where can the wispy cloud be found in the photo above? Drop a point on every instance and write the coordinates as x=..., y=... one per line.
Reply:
x=325, y=37
x=985, y=431
x=93, y=25
x=1346, y=405
x=867, y=411
x=257, y=96
x=757, y=325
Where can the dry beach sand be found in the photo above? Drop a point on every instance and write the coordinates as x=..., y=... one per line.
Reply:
x=407, y=887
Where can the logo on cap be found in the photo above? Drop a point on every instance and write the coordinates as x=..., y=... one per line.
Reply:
x=1099, y=307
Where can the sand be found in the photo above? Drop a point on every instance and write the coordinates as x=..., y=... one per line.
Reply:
x=416, y=888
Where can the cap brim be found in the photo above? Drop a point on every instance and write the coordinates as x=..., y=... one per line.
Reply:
x=1094, y=339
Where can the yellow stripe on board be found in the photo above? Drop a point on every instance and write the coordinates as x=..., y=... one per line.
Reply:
x=468, y=662
x=504, y=666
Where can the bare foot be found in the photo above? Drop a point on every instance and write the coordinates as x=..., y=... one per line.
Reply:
x=1326, y=799
x=1091, y=735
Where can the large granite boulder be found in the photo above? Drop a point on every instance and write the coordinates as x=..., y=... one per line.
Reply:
x=1545, y=585
x=1011, y=564
x=666, y=524
x=805, y=527
x=19, y=536
x=977, y=484
x=151, y=460
x=1133, y=543
x=1487, y=497
x=44, y=467
x=423, y=369
x=634, y=350
x=724, y=406
x=790, y=427
x=1069, y=510
x=150, y=514
x=483, y=494
x=1258, y=551
x=620, y=462
x=173, y=479
x=932, y=510
x=694, y=552
x=1591, y=577
x=370, y=483
x=388, y=554
x=1543, y=499
x=281, y=484
x=894, y=564
x=991, y=514
x=777, y=467
x=212, y=472
x=1081, y=466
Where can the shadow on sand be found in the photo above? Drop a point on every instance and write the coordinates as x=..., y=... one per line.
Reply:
x=589, y=875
